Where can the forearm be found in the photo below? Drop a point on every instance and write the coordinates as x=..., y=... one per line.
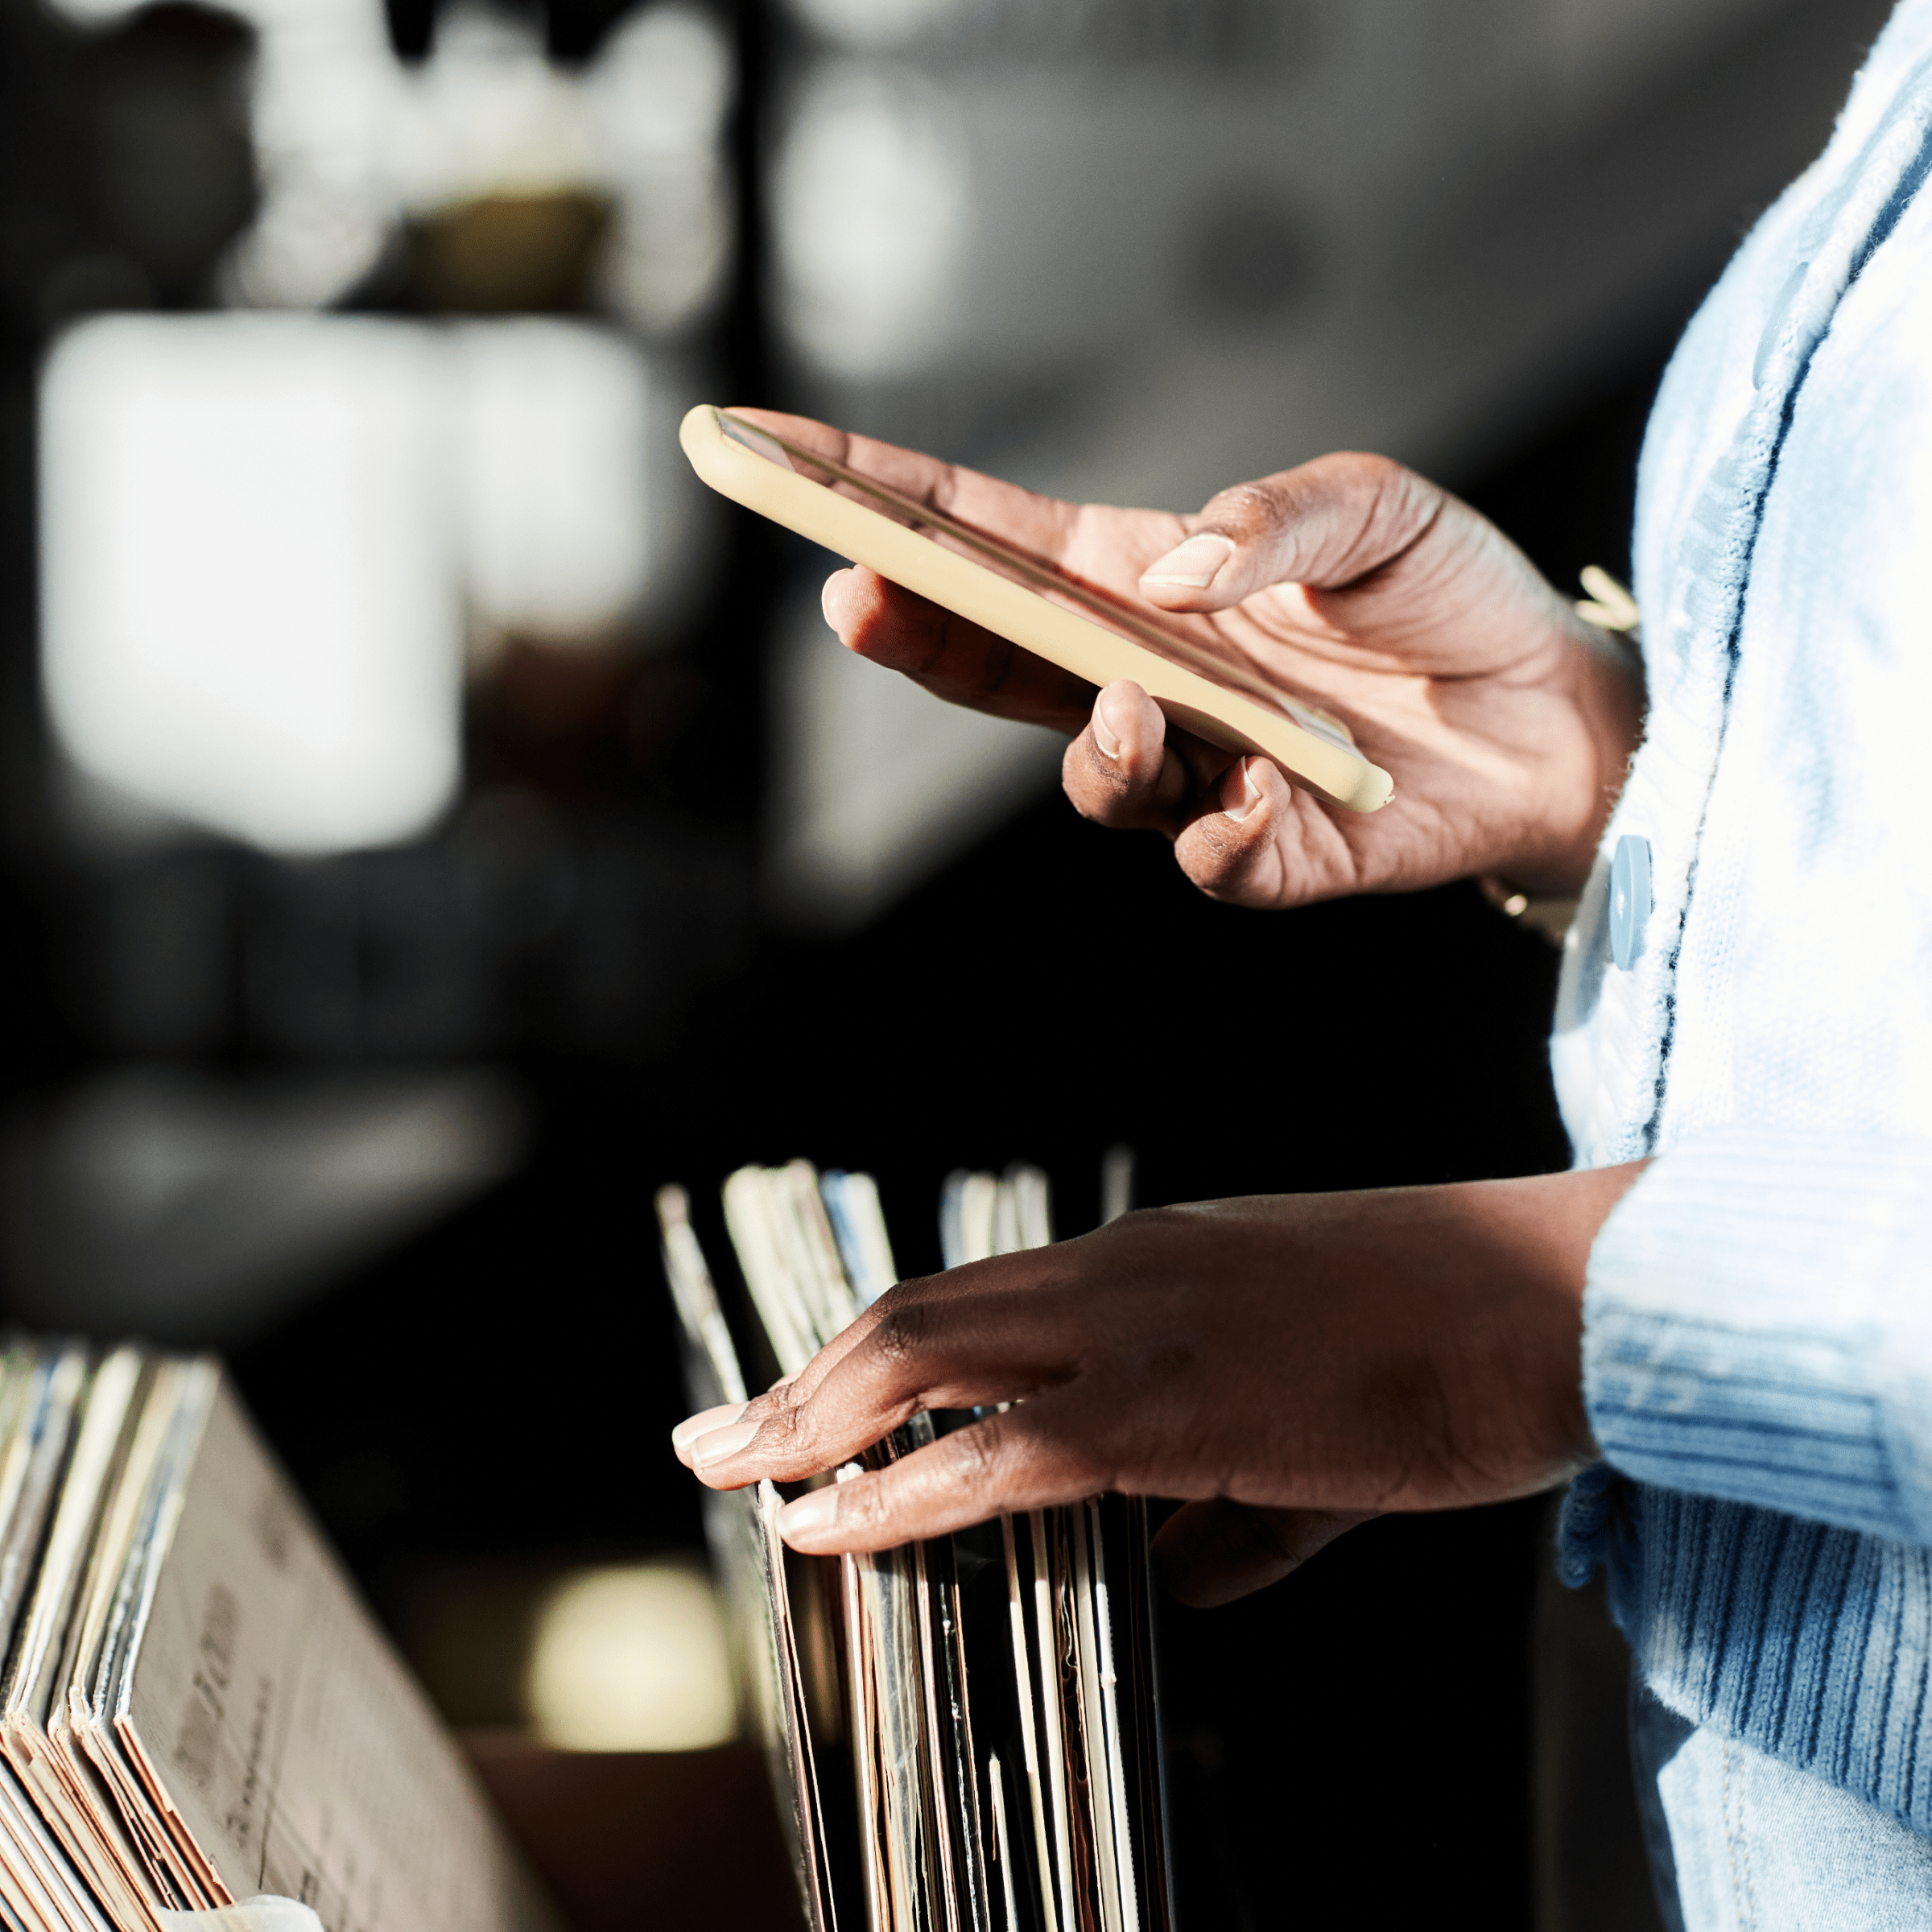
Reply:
x=1514, y=1255
x=1417, y=1349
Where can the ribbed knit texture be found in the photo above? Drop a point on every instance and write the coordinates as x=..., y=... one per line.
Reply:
x=1761, y=1327
x=1758, y=1325
x=1805, y=1640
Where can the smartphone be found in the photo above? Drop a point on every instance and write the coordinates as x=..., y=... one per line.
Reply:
x=1096, y=634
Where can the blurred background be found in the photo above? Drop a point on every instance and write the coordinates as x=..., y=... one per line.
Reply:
x=430, y=822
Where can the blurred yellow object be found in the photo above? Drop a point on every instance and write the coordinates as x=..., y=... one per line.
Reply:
x=631, y=1658
x=510, y=254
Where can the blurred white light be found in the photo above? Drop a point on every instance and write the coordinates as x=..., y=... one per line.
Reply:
x=874, y=23
x=305, y=249
x=263, y=537
x=661, y=84
x=487, y=114
x=202, y=1209
x=249, y=619
x=93, y=13
x=657, y=96
x=552, y=469
x=632, y=1659
x=350, y=143
x=873, y=205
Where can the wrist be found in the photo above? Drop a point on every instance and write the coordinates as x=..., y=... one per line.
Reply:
x=1604, y=676
x=1608, y=690
x=1516, y=1356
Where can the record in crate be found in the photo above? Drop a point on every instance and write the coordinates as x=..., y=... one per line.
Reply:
x=964, y=1733
x=196, y=1708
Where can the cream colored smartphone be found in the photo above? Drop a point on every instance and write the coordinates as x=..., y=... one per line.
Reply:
x=1092, y=633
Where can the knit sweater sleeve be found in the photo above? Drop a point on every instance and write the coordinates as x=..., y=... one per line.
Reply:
x=1758, y=1326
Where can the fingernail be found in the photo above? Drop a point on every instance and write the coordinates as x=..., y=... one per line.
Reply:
x=810, y=1515
x=1251, y=794
x=1106, y=730
x=832, y=597
x=706, y=1420
x=1193, y=565
x=720, y=1443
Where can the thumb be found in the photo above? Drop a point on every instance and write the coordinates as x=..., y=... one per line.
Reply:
x=1328, y=523
x=1207, y=1554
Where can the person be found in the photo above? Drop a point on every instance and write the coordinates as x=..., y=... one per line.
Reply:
x=1719, y=1323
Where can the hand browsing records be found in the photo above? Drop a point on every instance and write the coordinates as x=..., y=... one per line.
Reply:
x=968, y=1535
x=965, y=1732
x=1315, y=1357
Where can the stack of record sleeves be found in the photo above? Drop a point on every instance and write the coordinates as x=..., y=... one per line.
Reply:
x=964, y=1733
x=196, y=1708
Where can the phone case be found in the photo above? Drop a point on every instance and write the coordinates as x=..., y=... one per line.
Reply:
x=746, y=462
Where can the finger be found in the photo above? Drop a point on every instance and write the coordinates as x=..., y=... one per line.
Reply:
x=978, y=1336
x=715, y=1438
x=1263, y=846
x=786, y=1442
x=1044, y=525
x=1022, y=1459
x=1122, y=771
x=1329, y=522
x=703, y=1423
x=949, y=656
x=1207, y=1554
x=708, y=1422
x=737, y=1425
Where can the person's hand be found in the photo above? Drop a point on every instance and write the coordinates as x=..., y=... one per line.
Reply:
x=1288, y=1365
x=1506, y=721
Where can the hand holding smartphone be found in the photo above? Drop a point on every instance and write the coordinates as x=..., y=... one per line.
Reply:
x=1201, y=681
x=1470, y=720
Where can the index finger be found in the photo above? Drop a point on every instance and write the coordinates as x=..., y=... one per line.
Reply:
x=950, y=656
x=975, y=1337
x=1032, y=1457
x=1043, y=525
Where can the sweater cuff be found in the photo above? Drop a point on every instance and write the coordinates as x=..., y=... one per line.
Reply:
x=1758, y=1325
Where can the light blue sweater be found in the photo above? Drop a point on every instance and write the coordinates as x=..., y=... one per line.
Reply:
x=1758, y=1339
